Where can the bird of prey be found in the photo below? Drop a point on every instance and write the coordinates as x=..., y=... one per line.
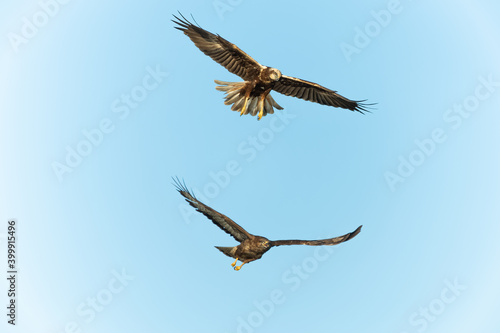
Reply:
x=252, y=96
x=251, y=247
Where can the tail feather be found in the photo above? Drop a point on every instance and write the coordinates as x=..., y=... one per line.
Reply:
x=273, y=102
x=228, y=86
x=235, y=96
x=238, y=105
x=228, y=251
x=252, y=106
x=232, y=97
x=268, y=107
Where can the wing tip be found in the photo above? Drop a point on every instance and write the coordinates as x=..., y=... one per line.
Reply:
x=362, y=107
x=355, y=232
x=183, y=22
x=182, y=188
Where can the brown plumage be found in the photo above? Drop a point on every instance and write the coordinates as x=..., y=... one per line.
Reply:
x=253, y=95
x=251, y=247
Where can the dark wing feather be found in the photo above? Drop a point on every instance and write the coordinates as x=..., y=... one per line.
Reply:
x=310, y=91
x=220, y=50
x=222, y=221
x=329, y=241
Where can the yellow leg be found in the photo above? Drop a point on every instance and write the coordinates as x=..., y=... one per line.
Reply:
x=261, y=112
x=247, y=97
x=237, y=268
x=234, y=263
x=244, y=106
x=261, y=101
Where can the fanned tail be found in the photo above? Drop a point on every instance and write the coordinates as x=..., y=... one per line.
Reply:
x=236, y=93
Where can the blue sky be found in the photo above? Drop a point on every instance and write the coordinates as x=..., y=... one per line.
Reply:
x=103, y=103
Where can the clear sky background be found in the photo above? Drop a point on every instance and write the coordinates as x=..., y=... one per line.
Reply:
x=105, y=243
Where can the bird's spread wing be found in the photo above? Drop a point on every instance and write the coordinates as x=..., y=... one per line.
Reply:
x=310, y=91
x=222, y=221
x=220, y=50
x=329, y=241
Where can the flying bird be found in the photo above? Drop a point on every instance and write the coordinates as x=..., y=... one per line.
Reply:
x=251, y=247
x=252, y=96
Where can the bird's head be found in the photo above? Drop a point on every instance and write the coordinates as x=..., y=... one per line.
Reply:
x=265, y=243
x=274, y=74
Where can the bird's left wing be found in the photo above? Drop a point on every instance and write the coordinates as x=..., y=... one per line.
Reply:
x=310, y=91
x=220, y=50
x=222, y=221
x=329, y=241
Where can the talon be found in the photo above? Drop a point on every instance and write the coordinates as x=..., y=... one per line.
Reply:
x=261, y=103
x=237, y=268
x=234, y=263
x=244, y=106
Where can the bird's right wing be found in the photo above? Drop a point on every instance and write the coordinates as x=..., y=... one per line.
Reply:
x=222, y=221
x=329, y=241
x=310, y=91
x=220, y=50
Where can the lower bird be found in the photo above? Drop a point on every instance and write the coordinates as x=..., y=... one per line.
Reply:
x=251, y=247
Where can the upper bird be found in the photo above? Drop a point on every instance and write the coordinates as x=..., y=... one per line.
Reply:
x=252, y=96
x=251, y=247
